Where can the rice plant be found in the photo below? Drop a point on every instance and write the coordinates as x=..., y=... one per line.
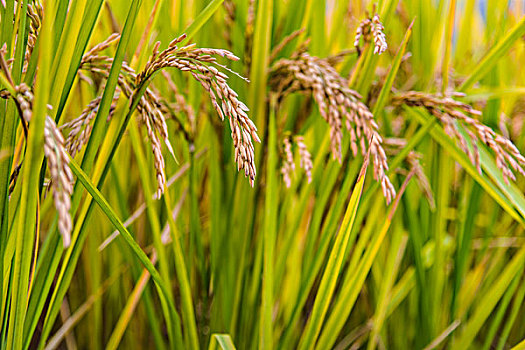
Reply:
x=261, y=174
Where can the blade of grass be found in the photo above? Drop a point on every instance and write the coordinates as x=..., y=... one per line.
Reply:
x=439, y=339
x=417, y=243
x=9, y=113
x=182, y=275
x=201, y=19
x=333, y=267
x=519, y=346
x=465, y=241
x=221, y=341
x=317, y=27
x=260, y=55
x=28, y=200
x=500, y=313
x=47, y=264
x=88, y=24
x=65, y=50
x=55, y=341
x=97, y=133
x=449, y=30
x=89, y=153
x=153, y=218
x=517, y=305
x=489, y=301
x=395, y=255
x=87, y=163
x=389, y=80
x=493, y=55
x=131, y=305
x=270, y=228
x=350, y=290
x=442, y=138
x=444, y=169
x=124, y=233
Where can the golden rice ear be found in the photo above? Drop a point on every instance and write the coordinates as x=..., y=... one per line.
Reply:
x=61, y=177
x=202, y=65
x=288, y=165
x=337, y=105
x=305, y=157
x=447, y=111
x=371, y=29
x=380, y=44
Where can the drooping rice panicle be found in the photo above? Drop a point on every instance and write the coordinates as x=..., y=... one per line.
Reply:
x=201, y=64
x=378, y=32
x=288, y=165
x=35, y=14
x=413, y=160
x=371, y=29
x=449, y=111
x=337, y=105
x=24, y=98
x=393, y=146
x=305, y=157
x=363, y=30
x=61, y=177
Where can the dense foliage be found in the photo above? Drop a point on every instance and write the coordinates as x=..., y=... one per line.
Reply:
x=260, y=174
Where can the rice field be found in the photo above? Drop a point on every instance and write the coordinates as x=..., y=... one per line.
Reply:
x=262, y=174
